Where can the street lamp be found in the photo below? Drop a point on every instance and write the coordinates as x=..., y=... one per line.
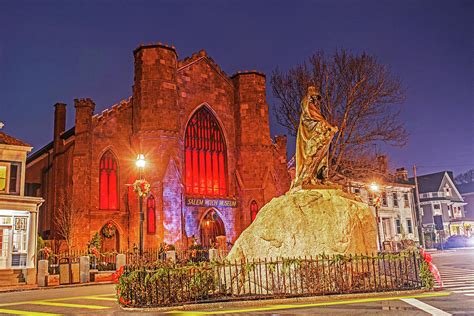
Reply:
x=374, y=187
x=140, y=163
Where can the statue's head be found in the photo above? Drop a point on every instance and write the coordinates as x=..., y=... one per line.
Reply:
x=314, y=95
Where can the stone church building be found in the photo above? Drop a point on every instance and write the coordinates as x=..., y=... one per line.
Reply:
x=209, y=156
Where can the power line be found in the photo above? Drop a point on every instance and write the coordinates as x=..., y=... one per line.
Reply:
x=445, y=166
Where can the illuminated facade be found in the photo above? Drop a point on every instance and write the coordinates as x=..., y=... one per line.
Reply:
x=205, y=135
x=18, y=215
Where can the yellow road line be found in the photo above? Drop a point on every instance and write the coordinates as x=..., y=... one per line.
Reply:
x=47, y=303
x=31, y=313
x=295, y=306
x=98, y=298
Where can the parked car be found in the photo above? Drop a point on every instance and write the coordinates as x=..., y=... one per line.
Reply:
x=458, y=241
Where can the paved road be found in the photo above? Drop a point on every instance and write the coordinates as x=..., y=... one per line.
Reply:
x=456, y=267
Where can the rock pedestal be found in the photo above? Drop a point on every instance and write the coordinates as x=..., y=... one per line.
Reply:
x=308, y=223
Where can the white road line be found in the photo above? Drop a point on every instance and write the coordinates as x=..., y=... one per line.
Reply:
x=425, y=307
x=459, y=288
x=465, y=291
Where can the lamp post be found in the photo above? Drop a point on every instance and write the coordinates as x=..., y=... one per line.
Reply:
x=374, y=187
x=140, y=162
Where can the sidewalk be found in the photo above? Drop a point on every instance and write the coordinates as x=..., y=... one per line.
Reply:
x=20, y=288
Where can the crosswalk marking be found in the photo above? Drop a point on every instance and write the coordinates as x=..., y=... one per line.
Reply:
x=425, y=307
x=458, y=280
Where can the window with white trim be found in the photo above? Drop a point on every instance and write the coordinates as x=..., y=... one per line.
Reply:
x=447, y=190
x=9, y=177
x=398, y=223
x=406, y=200
x=409, y=226
x=384, y=199
x=395, y=199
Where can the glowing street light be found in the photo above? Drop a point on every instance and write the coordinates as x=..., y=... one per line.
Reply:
x=374, y=187
x=140, y=163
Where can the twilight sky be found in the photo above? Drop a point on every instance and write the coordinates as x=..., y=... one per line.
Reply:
x=55, y=51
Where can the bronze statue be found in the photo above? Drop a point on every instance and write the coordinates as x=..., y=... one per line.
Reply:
x=312, y=143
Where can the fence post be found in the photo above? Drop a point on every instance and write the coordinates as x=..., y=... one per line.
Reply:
x=84, y=265
x=213, y=255
x=42, y=272
x=171, y=255
x=120, y=260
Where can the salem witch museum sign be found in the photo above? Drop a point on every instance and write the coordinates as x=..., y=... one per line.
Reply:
x=193, y=201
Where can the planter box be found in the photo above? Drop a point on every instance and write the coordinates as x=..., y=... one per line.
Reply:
x=103, y=276
x=53, y=279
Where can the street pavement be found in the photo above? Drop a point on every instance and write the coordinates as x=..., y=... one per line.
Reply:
x=455, y=298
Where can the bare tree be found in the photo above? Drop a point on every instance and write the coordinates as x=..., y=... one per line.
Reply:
x=359, y=95
x=67, y=219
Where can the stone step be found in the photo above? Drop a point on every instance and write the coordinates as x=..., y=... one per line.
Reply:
x=9, y=277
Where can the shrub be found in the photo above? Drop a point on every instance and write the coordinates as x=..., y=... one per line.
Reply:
x=426, y=276
x=166, y=284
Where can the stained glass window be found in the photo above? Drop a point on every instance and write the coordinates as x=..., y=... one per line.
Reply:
x=206, y=158
x=151, y=215
x=108, y=194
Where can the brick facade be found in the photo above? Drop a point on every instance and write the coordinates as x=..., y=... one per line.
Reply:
x=166, y=94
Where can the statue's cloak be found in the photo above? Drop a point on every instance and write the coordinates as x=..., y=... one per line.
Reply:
x=312, y=142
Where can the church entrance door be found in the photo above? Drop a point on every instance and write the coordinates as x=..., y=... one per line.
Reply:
x=211, y=227
x=110, y=238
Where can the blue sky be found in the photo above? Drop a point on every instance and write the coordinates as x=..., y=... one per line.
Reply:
x=55, y=51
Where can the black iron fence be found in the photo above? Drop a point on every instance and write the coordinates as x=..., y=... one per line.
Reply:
x=165, y=284
x=106, y=261
x=101, y=261
x=181, y=256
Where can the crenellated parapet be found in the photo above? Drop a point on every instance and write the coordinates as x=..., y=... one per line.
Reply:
x=113, y=110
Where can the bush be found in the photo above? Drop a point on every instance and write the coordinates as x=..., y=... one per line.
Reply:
x=426, y=276
x=166, y=284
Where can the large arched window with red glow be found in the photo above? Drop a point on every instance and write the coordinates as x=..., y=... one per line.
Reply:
x=253, y=210
x=206, y=158
x=108, y=193
x=151, y=215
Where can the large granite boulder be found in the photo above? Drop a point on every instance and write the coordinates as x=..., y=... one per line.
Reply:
x=308, y=223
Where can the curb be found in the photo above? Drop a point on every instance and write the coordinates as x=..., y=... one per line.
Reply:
x=64, y=286
x=264, y=302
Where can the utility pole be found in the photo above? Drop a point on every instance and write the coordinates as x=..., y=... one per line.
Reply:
x=418, y=211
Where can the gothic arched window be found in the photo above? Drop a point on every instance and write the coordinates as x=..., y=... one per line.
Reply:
x=108, y=170
x=253, y=210
x=151, y=215
x=205, y=154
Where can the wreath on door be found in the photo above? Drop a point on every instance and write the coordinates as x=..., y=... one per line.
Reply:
x=109, y=230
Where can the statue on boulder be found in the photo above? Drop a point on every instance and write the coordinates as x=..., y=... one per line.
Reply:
x=315, y=216
x=312, y=143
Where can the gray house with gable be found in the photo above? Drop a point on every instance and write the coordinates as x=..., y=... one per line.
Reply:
x=441, y=205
